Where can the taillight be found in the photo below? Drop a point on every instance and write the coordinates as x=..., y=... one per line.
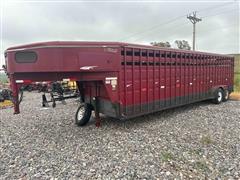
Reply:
x=23, y=81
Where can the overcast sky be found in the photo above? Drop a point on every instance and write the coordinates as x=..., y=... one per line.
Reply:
x=137, y=22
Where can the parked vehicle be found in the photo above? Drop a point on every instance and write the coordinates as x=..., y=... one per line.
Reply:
x=123, y=80
x=6, y=94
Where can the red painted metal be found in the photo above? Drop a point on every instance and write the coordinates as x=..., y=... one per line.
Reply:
x=134, y=79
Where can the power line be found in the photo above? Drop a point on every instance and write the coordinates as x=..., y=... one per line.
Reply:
x=154, y=27
x=176, y=28
x=220, y=28
x=183, y=25
x=170, y=21
x=223, y=12
x=214, y=7
x=213, y=29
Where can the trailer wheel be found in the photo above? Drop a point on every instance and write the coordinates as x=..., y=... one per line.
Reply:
x=83, y=114
x=225, y=95
x=30, y=88
x=218, y=96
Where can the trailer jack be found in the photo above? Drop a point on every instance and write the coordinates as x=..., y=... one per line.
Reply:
x=15, y=95
x=55, y=98
x=96, y=110
x=98, y=119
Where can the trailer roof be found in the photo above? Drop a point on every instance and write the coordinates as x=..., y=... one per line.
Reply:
x=101, y=44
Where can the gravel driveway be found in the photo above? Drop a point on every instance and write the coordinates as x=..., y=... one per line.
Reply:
x=194, y=141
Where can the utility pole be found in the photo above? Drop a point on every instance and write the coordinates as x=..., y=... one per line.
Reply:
x=193, y=18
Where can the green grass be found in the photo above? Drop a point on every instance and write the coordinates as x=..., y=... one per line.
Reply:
x=206, y=140
x=3, y=78
x=237, y=82
x=197, y=152
x=166, y=156
x=201, y=165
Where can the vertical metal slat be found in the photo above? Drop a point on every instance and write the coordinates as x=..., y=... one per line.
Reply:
x=147, y=80
x=125, y=86
x=154, y=72
x=133, y=84
x=140, y=70
x=159, y=79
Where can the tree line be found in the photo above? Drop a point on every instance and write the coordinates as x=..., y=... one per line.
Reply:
x=181, y=44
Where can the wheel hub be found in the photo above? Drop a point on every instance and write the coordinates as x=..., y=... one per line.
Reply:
x=219, y=96
x=81, y=113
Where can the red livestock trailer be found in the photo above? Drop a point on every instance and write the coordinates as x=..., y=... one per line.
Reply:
x=123, y=80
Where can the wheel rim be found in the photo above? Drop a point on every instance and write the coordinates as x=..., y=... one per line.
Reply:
x=80, y=113
x=219, y=96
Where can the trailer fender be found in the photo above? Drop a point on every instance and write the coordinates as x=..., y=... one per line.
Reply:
x=215, y=89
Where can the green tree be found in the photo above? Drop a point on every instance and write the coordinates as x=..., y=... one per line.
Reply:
x=182, y=44
x=161, y=44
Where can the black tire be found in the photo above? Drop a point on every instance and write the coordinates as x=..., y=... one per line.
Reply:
x=1, y=98
x=225, y=95
x=83, y=114
x=218, y=96
x=30, y=88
